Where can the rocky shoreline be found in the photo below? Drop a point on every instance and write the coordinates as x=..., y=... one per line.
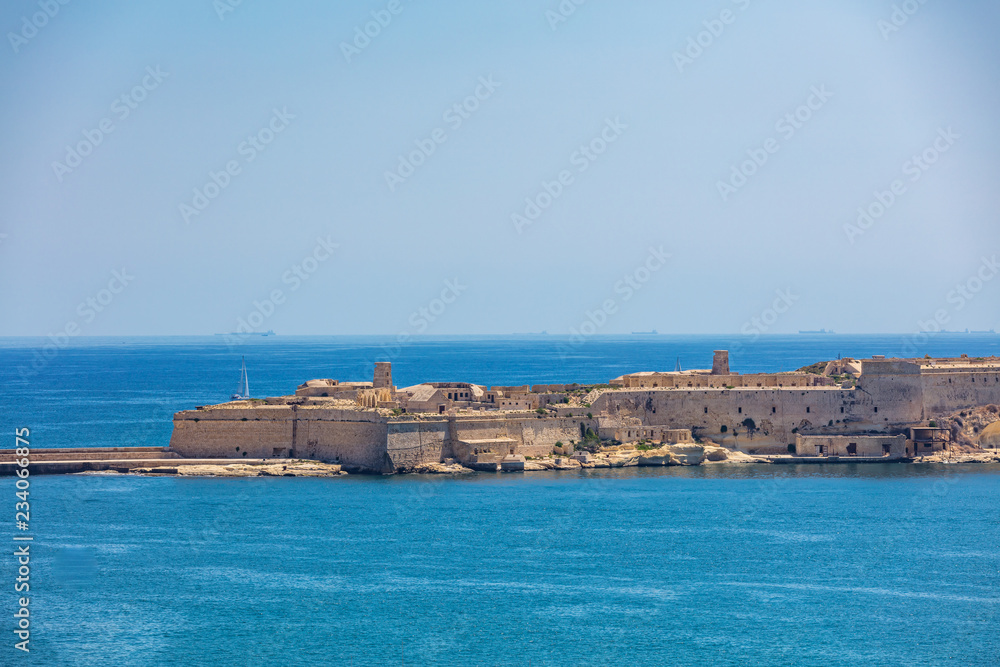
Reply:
x=621, y=456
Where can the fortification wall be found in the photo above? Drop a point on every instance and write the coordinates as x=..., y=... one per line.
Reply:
x=718, y=414
x=535, y=436
x=197, y=437
x=899, y=398
x=539, y=436
x=949, y=391
x=352, y=438
x=353, y=444
x=418, y=442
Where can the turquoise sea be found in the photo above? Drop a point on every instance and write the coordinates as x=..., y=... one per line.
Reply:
x=887, y=564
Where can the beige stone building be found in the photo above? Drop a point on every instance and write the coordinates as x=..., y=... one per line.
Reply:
x=374, y=426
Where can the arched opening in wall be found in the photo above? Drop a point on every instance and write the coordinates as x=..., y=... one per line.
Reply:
x=706, y=411
x=876, y=408
x=808, y=409
x=740, y=410
x=773, y=409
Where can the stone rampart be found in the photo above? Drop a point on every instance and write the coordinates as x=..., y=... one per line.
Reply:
x=355, y=439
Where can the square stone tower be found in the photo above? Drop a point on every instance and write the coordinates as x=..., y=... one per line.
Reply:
x=720, y=363
x=383, y=375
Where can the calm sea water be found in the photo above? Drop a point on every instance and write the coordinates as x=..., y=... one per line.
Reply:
x=814, y=565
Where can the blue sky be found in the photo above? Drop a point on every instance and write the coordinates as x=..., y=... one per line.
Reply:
x=596, y=169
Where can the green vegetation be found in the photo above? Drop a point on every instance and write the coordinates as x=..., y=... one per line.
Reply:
x=933, y=424
x=590, y=441
x=645, y=447
x=540, y=411
x=815, y=369
x=590, y=415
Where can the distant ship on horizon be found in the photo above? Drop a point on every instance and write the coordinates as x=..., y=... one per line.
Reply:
x=645, y=333
x=820, y=331
x=269, y=332
x=991, y=331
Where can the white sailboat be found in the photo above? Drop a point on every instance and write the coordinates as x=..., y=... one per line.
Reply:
x=243, y=392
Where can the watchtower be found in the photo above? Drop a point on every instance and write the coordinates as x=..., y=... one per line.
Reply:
x=720, y=363
x=383, y=375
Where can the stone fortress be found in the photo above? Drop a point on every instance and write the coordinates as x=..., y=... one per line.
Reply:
x=870, y=409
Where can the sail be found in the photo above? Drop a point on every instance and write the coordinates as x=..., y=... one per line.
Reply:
x=244, y=391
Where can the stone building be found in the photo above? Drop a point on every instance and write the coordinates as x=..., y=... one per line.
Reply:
x=373, y=426
x=861, y=446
